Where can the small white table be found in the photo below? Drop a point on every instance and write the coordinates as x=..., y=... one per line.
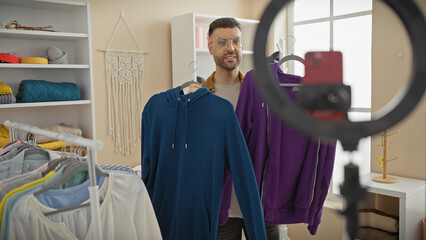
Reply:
x=412, y=203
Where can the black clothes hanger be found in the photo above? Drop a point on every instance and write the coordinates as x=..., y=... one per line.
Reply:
x=291, y=57
x=275, y=57
x=200, y=79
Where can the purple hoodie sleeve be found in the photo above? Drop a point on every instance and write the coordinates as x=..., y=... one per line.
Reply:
x=326, y=164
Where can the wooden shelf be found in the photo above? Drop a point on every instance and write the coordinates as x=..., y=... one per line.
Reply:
x=45, y=104
x=27, y=34
x=71, y=21
x=45, y=66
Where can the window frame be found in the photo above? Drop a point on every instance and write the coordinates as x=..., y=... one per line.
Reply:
x=333, y=196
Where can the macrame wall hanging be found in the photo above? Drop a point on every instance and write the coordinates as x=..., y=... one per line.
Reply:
x=124, y=75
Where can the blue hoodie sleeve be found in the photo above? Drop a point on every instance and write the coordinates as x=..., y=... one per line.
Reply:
x=145, y=147
x=238, y=158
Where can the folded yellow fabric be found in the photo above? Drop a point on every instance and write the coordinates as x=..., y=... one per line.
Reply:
x=53, y=145
x=34, y=60
x=4, y=135
x=5, y=89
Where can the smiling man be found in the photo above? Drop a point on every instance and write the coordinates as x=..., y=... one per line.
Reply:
x=226, y=47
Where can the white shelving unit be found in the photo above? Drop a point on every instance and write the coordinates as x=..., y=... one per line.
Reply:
x=71, y=21
x=184, y=51
x=412, y=204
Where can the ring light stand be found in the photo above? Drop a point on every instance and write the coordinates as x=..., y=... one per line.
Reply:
x=347, y=132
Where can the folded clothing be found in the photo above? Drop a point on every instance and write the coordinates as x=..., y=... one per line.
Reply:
x=61, y=128
x=7, y=99
x=45, y=91
x=377, y=219
x=5, y=89
x=4, y=135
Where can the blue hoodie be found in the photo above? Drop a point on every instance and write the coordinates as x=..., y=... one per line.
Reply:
x=187, y=143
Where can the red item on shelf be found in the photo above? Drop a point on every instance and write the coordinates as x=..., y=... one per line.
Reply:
x=8, y=59
x=15, y=54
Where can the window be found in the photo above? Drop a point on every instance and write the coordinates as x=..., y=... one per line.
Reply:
x=339, y=25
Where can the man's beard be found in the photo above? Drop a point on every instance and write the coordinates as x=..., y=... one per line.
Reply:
x=221, y=62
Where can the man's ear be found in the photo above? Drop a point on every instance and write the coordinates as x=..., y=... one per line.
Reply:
x=209, y=45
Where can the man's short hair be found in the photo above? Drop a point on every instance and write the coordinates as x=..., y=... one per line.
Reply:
x=226, y=22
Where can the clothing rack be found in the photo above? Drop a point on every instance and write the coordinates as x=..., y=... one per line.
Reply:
x=91, y=145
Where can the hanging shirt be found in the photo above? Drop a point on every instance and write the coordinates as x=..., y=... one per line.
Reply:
x=7, y=181
x=10, y=202
x=124, y=214
x=23, y=187
x=25, y=161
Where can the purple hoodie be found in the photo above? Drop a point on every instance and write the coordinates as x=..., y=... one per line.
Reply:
x=293, y=171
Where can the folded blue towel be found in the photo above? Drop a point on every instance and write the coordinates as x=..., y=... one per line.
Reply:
x=45, y=91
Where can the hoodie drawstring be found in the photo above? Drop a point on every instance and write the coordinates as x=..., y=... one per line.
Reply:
x=174, y=125
x=186, y=123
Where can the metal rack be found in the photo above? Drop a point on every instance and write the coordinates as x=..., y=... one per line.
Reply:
x=91, y=146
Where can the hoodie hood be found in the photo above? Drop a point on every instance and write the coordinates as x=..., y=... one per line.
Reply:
x=177, y=99
x=175, y=96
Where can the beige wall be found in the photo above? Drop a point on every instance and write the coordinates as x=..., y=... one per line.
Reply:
x=150, y=23
x=390, y=74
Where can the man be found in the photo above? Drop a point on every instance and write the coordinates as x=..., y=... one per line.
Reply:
x=226, y=46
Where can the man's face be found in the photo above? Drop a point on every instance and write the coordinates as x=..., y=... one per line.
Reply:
x=225, y=49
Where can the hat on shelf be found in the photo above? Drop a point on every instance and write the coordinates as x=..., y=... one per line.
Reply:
x=34, y=60
x=5, y=89
x=57, y=56
x=6, y=58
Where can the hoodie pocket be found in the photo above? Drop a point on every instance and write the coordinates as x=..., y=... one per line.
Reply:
x=184, y=216
x=194, y=219
x=167, y=215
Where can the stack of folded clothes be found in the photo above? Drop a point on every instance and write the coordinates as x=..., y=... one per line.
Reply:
x=375, y=224
x=52, y=144
x=6, y=94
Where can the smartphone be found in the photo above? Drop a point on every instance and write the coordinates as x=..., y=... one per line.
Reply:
x=324, y=68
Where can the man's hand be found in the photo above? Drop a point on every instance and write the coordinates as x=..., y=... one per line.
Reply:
x=194, y=87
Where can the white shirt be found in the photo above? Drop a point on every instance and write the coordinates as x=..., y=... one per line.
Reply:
x=126, y=213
